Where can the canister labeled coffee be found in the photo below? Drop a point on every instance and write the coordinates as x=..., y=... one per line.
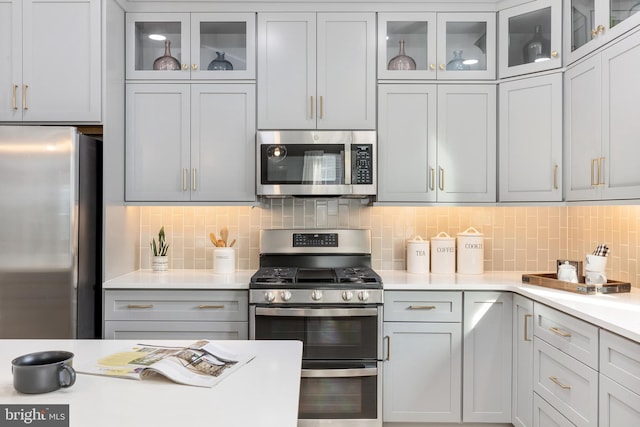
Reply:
x=470, y=252
x=443, y=254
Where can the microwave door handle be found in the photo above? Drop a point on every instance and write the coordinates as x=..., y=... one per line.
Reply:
x=339, y=373
x=347, y=164
x=316, y=312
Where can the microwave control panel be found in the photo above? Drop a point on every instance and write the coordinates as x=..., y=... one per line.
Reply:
x=362, y=164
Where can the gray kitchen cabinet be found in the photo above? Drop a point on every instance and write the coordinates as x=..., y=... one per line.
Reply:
x=316, y=71
x=522, y=377
x=619, y=381
x=176, y=314
x=590, y=24
x=565, y=364
x=190, y=142
x=487, y=331
x=545, y=415
x=600, y=121
x=522, y=49
x=436, y=143
x=422, y=366
x=51, y=61
x=530, y=153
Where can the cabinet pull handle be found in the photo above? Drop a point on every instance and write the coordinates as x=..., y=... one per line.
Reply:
x=211, y=307
x=422, y=307
x=24, y=97
x=558, y=383
x=311, y=107
x=555, y=177
x=593, y=162
x=560, y=332
x=554, y=53
x=442, y=67
x=193, y=179
x=321, y=107
x=432, y=66
x=14, y=97
x=140, y=306
x=432, y=179
x=600, y=29
x=594, y=32
x=388, y=338
x=526, y=326
x=600, y=170
x=184, y=179
x=194, y=67
x=441, y=179
x=185, y=66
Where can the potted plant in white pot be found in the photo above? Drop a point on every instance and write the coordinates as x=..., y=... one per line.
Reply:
x=160, y=261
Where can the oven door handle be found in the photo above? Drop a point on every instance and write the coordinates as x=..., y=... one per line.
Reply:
x=339, y=373
x=316, y=312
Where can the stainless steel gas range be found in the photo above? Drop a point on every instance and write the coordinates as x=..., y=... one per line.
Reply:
x=318, y=287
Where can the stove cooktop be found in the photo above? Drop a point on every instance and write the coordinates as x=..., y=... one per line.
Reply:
x=298, y=278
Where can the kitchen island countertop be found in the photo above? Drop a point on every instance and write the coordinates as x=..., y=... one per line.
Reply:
x=262, y=393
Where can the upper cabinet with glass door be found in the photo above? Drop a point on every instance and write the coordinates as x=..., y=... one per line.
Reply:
x=530, y=38
x=190, y=46
x=446, y=46
x=591, y=23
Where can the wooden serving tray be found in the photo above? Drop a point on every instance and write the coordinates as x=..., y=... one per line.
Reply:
x=550, y=280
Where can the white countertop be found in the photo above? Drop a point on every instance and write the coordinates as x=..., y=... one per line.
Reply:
x=619, y=313
x=263, y=393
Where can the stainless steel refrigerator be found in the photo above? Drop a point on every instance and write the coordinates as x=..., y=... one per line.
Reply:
x=50, y=233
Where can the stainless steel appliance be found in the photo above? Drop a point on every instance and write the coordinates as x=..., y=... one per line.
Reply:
x=318, y=287
x=318, y=163
x=50, y=233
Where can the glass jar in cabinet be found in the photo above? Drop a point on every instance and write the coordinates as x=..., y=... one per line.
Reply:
x=204, y=45
x=591, y=23
x=530, y=38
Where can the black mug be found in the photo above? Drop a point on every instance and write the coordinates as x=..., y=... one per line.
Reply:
x=43, y=372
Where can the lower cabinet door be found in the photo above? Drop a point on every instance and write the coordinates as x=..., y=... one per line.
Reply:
x=422, y=372
x=545, y=415
x=176, y=330
x=619, y=406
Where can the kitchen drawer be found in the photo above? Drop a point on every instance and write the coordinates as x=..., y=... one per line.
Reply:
x=422, y=306
x=620, y=360
x=118, y=329
x=619, y=406
x=575, y=337
x=172, y=305
x=567, y=384
x=545, y=415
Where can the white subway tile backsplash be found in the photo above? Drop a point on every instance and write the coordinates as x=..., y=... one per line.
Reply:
x=517, y=238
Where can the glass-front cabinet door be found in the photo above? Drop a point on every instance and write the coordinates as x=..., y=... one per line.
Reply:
x=530, y=38
x=436, y=46
x=190, y=46
x=466, y=46
x=591, y=23
x=406, y=46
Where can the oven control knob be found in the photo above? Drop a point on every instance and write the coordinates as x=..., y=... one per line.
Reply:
x=269, y=296
x=347, y=295
x=285, y=295
x=316, y=295
x=363, y=295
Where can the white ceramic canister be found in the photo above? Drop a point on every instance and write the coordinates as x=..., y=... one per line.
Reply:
x=470, y=252
x=417, y=255
x=224, y=260
x=443, y=254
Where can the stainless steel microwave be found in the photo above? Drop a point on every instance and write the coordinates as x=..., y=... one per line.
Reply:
x=316, y=163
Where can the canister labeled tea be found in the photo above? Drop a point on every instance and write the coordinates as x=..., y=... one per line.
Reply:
x=417, y=255
x=470, y=252
x=443, y=254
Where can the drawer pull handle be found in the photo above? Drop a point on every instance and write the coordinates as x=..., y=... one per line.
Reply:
x=559, y=332
x=205, y=307
x=422, y=307
x=559, y=384
x=140, y=306
x=526, y=326
x=388, y=338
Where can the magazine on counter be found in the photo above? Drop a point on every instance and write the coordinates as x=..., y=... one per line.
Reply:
x=202, y=364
